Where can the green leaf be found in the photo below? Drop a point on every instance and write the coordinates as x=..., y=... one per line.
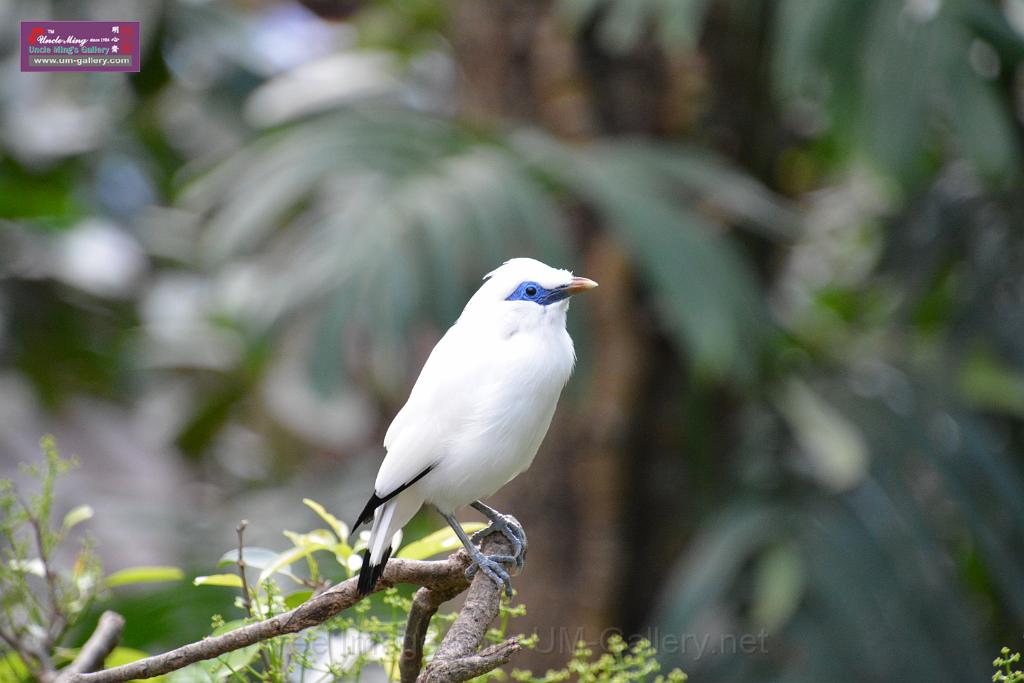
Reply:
x=254, y=556
x=896, y=98
x=220, y=668
x=705, y=289
x=13, y=670
x=193, y=673
x=133, y=575
x=726, y=546
x=227, y=580
x=321, y=538
x=232, y=661
x=778, y=587
x=984, y=123
x=284, y=561
x=712, y=181
x=76, y=516
x=342, y=551
x=295, y=599
x=440, y=541
x=125, y=655
x=989, y=384
x=836, y=451
x=339, y=527
x=257, y=558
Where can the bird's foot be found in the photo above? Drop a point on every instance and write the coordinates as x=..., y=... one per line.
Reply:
x=491, y=566
x=512, y=530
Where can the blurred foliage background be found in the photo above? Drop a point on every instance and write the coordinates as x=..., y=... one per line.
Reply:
x=799, y=408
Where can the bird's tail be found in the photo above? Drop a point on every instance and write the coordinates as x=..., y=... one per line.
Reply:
x=370, y=572
x=387, y=520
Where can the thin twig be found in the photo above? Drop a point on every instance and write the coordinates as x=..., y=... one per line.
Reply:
x=246, y=598
x=57, y=618
x=100, y=644
x=10, y=640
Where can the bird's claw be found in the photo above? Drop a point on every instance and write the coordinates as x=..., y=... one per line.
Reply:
x=513, y=531
x=491, y=566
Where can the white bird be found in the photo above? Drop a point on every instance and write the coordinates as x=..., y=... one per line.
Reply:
x=478, y=412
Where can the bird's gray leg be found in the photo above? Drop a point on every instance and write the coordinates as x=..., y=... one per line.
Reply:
x=508, y=526
x=488, y=564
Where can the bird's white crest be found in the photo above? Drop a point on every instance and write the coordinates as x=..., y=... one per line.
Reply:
x=482, y=404
x=502, y=281
x=516, y=270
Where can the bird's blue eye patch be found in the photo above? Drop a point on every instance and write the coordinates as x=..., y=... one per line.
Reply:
x=531, y=291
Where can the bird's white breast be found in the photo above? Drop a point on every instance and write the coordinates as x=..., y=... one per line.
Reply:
x=502, y=379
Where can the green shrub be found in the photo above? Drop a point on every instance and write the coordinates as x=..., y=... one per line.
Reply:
x=1006, y=670
x=42, y=600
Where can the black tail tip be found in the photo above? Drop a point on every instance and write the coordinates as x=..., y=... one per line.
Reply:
x=370, y=573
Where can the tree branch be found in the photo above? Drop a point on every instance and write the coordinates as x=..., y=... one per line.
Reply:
x=471, y=666
x=100, y=644
x=424, y=605
x=443, y=579
x=457, y=658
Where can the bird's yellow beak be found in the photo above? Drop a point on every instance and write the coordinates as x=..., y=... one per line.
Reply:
x=580, y=284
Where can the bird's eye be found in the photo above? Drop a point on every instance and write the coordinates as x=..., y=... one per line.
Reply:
x=531, y=291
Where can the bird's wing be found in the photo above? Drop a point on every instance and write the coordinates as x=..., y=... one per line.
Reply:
x=441, y=398
x=376, y=501
x=415, y=439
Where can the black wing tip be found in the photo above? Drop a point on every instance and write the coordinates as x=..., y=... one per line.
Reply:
x=367, y=514
x=371, y=573
x=376, y=501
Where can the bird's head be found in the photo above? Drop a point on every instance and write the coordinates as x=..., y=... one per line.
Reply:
x=528, y=288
